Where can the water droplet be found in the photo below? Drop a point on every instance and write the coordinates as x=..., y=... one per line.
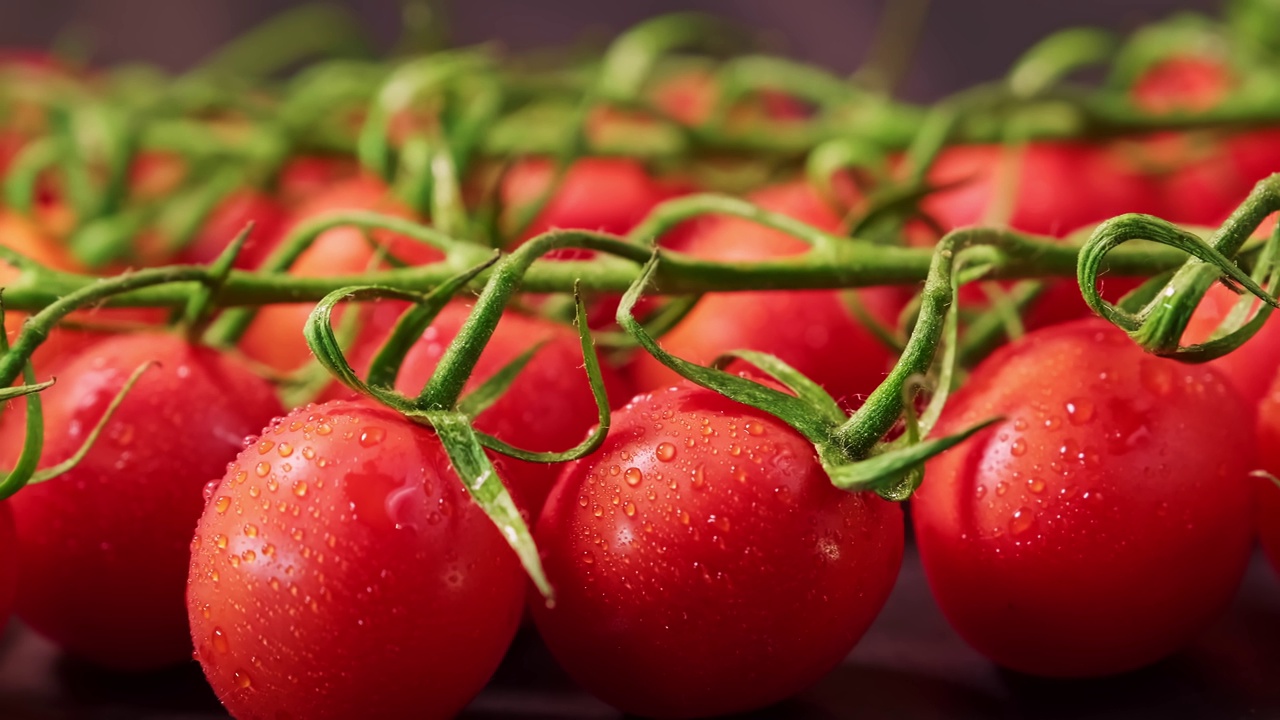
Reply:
x=251, y=530
x=665, y=452
x=220, y=640
x=300, y=488
x=1080, y=411
x=980, y=491
x=262, y=469
x=588, y=558
x=265, y=446
x=323, y=428
x=633, y=476
x=1018, y=448
x=1022, y=521
x=249, y=555
x=597, y=510
x=754, y=428
x=629, y=508
x=582, y=500
x=720, y=521
x=1035, y=485
x=1002, y=487
x=285, y=449
x=614, y=470
x=220, y=540
x=684, y=518
x=222, y=503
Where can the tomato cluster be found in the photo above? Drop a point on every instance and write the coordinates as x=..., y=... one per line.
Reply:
x=325, y=549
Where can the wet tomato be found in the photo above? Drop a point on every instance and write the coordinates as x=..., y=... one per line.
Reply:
x=1104, y=520
x=341, y=570
x=105, y=546
x=1269, y=449
x=703, y=562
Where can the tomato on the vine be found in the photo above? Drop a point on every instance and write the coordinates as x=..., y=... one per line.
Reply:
x=104, y=547
x=1251, y=367
x=227, y=220
x=549, y=407
x=813, y=330
x=1104, y=520
x=341, y=570
x=1182, y=84
x=275, y=337
x=703, y=562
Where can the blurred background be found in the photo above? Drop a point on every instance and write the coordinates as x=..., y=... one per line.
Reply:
x=963, y=41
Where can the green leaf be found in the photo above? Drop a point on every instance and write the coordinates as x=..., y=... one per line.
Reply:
x=481, y=480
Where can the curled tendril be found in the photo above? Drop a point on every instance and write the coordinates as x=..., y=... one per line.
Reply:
x=1157, y=326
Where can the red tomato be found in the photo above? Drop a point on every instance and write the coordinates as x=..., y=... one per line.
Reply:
x=1182, y=84
x=1249, y=368
x=8, y=563
x=228, y=219
x=704, y=563
x=549, y=407
x=308, y=176
x=1104, y=521
x=1256, y=153
x=605, y=194
x=810, y=329
x=691, y=97
x=1269, y=449
x=1049, y=195
x=340, y=570
x=275, y=337
x=105, y=546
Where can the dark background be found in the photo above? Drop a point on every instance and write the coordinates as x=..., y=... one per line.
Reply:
x=964, y=41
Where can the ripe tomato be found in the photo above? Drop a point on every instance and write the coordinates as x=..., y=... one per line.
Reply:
x=1249, y=368
x=8, y=563
x=1269, y=449
x=341, y=570
x=704, y=563
x=605, y=194
x=549, y=407
x=105, y=546
x=228, y=219
x=310, y=175
x=1104, y=521
x=1048, y=197
x=275, y=337
x=691, y=96
x=810, y=329
x=1182, y=84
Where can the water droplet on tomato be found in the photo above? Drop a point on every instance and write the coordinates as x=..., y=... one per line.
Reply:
x=1002, y=487
x=629, y=508
x=371, y=436
x=300, y=488
x=1019, y=447
x=665, y=452
x=1035, y=485
x=597, y=511
x=323, y=428
x=1157, y=376
x=582, y=500
x=1080, y=411
x=980, y=491
x=1022, y=521
x=220, y=642
x=754, y=428
x=251, y=530
x=262, y=469
x=699, y=478
x=285, y=449
x=222, y=503
x=633, y=476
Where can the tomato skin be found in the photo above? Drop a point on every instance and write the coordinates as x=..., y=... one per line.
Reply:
x=305, y=177
x=340, y=570
x=704, y=563
x=275, y=336
x=1269, y=449
x=604, y=194
x=1104, y=521
x=105, y=547
x=8, y=563
x=1182, y=84
x=1251, y=367
x=228, y=219
x=809, y=329
x=549, y=406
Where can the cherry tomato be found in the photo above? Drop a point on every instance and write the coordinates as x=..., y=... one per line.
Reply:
x=1182, y=84
x=1269, y=449
x=605, y=194
x=548, y=407
x=690, y=97
x=1249, y=368
x=8, y=563
x=1104, y=520
x=228, y=219
x=1045, y=192
x=310, y=175
x=703, y=562
x=811, y=329
x=105, y=546
x=275, y=337
x=340, y=570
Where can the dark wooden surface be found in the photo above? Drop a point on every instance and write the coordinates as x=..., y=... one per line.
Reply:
x=910, y=665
